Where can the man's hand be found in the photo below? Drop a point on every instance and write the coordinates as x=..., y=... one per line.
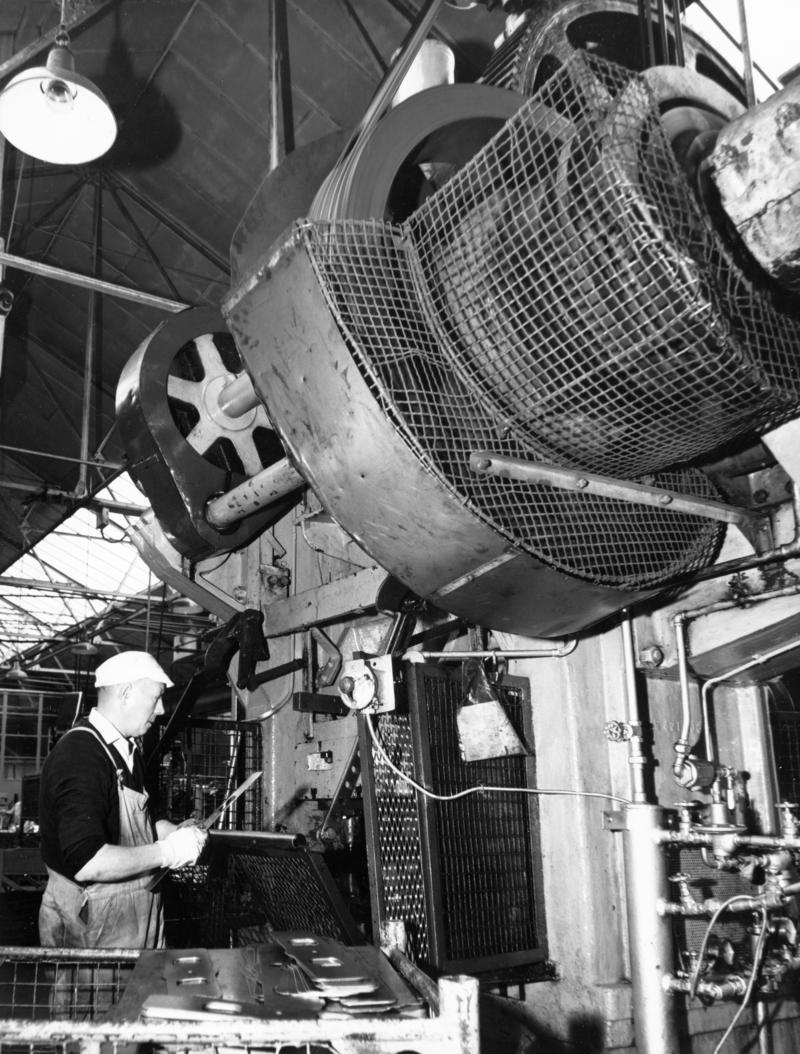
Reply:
x=183, y=846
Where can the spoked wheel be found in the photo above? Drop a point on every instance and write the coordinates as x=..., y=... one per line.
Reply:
x=202, y=368
x=183, y=448
x=606, y=28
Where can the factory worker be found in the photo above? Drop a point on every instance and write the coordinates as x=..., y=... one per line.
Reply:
x=100, y=842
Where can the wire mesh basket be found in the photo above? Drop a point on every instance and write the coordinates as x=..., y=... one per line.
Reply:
x=39, y=985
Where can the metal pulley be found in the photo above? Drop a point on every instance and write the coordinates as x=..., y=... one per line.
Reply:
x=194, y=430
x=614, y=30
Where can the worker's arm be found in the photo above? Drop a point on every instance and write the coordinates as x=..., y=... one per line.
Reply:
x=111, y=863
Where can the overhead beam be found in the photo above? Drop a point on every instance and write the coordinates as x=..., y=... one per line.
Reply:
x=73, y=589
x=30, y=51
x=112, y=466
x=96, y=285
x=171, y=223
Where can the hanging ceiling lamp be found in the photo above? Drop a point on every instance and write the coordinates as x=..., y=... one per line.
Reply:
x=84, y=647
x=53, y=113
x=16, y=673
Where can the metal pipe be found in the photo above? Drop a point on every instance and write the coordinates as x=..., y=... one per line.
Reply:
x=650, y=937
x=663, y=34
x=90, y=342
x=699, y=837
x=679, y=620
x=271, y=484
x=777, y=554
x=755, y=660
x=727, y=605
x=67, y=588
x=487, y=463
x=683, y=745
x=499, y=653
x=764, y=1029
x=749, y=86
x=732, y=40
x=645, y=35
x=680, y=57
x=85, y=282
x=238, y=396
x=6, y=49
x=112, y=466
x=636, y=758
x=276, y=126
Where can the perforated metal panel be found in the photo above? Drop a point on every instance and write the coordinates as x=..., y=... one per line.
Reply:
x=393, y=833
x=462, y=875
x=258, y=886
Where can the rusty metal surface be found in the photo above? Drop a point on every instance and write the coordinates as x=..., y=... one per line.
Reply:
x=756, y=168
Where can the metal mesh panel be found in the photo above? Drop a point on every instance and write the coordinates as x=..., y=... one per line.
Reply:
x=64, y=985
x=402, y=892
x=562, y=299
x=784, y=715
x=282, y=891
x=255, y=889
x=578, y=285
x=208, y=760
x=488, y=885
x=460, y=875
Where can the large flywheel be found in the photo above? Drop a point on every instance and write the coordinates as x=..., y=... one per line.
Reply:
x=194, y=429
x=609, y=29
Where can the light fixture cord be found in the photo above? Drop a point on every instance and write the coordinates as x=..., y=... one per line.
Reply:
x=62, y=36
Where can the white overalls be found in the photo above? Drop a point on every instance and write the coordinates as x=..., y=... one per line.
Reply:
x=121, y=914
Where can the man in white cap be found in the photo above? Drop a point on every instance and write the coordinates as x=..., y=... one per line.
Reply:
x=100, y=842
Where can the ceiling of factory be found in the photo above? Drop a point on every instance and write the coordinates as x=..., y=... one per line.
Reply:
x=189, y=83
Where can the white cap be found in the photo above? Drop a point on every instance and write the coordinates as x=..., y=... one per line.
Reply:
x=129, y=666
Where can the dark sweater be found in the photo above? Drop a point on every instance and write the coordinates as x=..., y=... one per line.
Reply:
x=78, y=801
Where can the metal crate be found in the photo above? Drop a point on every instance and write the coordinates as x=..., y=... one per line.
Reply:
x=54, y=984
x=62, y=1001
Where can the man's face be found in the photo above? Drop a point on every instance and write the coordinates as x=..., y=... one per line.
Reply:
x=142, y=705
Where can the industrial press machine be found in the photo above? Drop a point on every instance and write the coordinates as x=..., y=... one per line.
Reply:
x=497, y=429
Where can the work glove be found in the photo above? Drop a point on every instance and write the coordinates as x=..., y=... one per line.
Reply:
x=183, y=846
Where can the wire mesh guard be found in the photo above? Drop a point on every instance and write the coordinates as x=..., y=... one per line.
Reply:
x=205, y=763
x=60, y=985
x=461, y=875
x=563, y=299
x=258, y=887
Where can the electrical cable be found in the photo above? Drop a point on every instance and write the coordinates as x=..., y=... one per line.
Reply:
x=482, y=788
x=759, y=951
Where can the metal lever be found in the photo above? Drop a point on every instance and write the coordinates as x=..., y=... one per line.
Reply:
x=485, y=463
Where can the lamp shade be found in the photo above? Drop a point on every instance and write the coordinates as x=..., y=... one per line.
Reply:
x=53, y=113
